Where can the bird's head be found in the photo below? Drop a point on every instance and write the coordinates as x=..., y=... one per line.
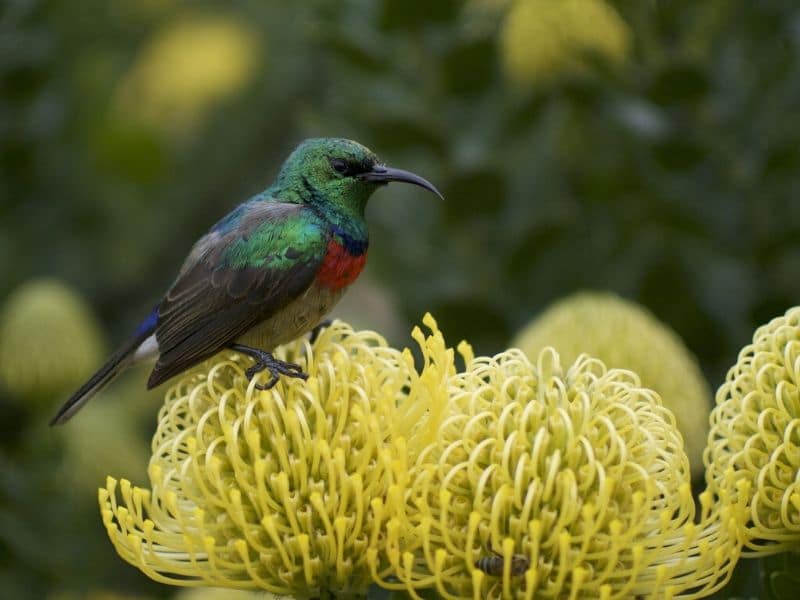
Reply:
x=334, y=171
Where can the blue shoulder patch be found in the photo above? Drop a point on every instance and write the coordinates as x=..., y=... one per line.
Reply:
x=148, y=326
x=229, y=221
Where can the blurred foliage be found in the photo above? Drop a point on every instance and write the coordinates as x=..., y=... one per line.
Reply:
x=780, y=576
x=666, y=168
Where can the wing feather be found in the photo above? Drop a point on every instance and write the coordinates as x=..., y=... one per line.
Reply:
x=235, y=277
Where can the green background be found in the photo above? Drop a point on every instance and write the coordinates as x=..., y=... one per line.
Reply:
x=670, y=176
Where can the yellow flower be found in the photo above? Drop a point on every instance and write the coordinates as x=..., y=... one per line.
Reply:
x=624, y=335
x=544, y=38
x=187, y=68
x=284, y=490
x=104, y=425
x=374, y=471
x=49, y=341
x=577, y=478
x=754, y=444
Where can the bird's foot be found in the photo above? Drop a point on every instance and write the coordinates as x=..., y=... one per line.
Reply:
x=318, y=329
x=266, y=362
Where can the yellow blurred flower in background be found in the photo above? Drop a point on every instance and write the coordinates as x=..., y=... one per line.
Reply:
x=540, y=39
x=577, y=477
x=187, y=68
x=104, y=439
x=754, y=444
x=625, y=335
x=284, y=490
x=49, y=342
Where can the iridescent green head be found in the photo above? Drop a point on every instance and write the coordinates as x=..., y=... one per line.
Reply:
x=336, y=172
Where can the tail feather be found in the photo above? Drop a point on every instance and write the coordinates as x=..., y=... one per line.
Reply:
x=113, y=367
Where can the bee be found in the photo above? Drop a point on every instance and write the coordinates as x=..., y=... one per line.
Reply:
x=493, y=565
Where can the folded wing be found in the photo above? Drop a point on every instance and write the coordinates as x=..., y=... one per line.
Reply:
x=242, y=272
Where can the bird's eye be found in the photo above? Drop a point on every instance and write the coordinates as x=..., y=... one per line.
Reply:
x=340, y=166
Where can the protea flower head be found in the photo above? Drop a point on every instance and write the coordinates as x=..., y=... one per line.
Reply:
x=754, y=445
x=541, y=39
x=625, y=335
x=545, y=482
x=49, y=340
x=286, y=490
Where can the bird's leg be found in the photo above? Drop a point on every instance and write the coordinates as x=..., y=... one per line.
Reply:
x=318, y=329
x=266, y=362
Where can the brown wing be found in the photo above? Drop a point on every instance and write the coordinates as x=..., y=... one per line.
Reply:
x=245, y=270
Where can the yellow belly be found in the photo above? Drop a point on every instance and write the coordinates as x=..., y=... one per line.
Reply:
x=299, y=317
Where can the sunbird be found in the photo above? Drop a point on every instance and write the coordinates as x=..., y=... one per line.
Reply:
x=266, y=273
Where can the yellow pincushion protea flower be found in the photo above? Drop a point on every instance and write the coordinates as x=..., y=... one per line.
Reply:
x=545, y=38
x=625, y=335
x=49, y=341
x=576, y=478
x=283, y=490
x=187, y=68
x=754, y=444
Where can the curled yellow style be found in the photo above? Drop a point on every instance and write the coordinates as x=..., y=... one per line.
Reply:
x=625, y=335
x=754, y=445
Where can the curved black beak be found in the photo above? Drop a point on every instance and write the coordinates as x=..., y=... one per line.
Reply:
x=383, y=174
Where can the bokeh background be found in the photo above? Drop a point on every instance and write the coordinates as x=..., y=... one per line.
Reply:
x=647, y=148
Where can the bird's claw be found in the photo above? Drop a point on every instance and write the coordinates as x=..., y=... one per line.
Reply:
x=276, y=368
x=264, y=361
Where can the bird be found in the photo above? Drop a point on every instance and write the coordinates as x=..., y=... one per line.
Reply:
x=265, y=274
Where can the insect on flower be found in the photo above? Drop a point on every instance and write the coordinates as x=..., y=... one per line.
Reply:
x=493, y=565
